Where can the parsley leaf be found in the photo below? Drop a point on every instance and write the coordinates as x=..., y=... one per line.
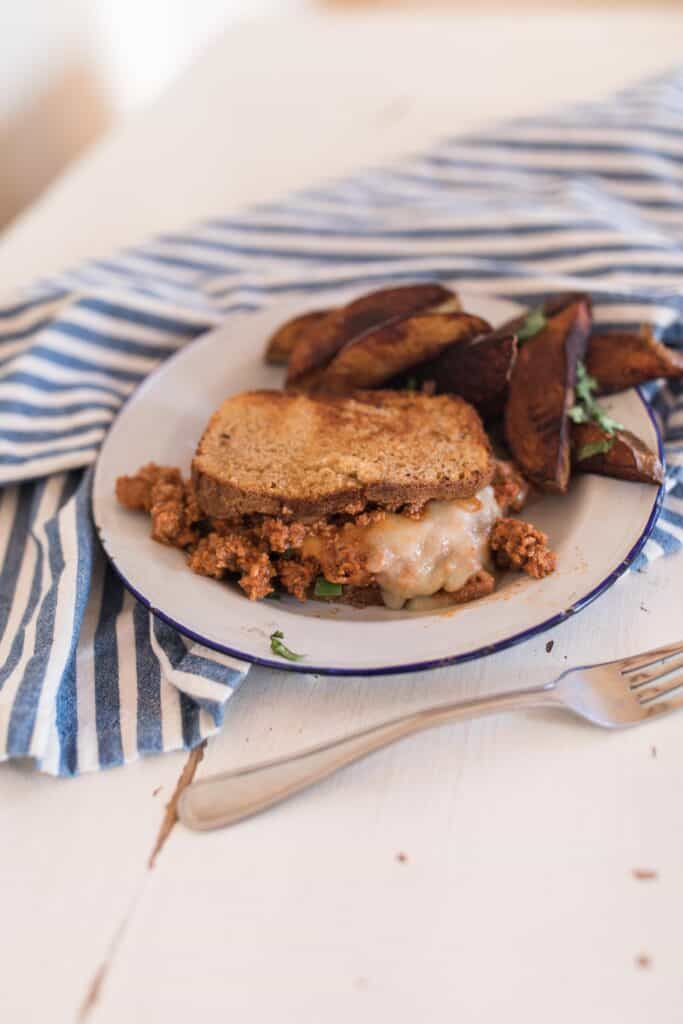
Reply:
x=323, y=588
x=277, y=647
x=585, y=384
x=577, y=414
x=606, y=422
x=594, y=448
x=534, y=324
x=586, y=409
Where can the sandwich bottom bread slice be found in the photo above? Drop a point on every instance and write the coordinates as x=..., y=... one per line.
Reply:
x=380, y=497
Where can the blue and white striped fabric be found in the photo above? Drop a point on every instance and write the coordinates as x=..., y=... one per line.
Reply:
x=589, y=199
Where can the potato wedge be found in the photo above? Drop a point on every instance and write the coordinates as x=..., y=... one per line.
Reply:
x=478, y=370
x=281, y=343
x=541, y=391
x=555, y=304
x=450, y=305
x=550, y=307
x=316, y=351
x=381, y=353
x=621, y=454
x=622, y=359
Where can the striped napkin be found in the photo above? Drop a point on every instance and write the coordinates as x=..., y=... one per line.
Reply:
x=589, y=198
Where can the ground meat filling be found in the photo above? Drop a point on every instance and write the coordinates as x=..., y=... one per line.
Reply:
x=481, y=584
x=519, y=545
x=510, y=487
x=169, y=500
x=263, y=550
x=256, y=580
x=340, y=556
x=280, y=536
x=298, y=577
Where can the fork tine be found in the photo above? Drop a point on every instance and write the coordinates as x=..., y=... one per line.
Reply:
x=652, y=692
x=657, y=671
x=639, y=661
x=663, y=707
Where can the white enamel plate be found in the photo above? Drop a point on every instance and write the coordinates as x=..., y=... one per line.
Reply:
x=597, y=530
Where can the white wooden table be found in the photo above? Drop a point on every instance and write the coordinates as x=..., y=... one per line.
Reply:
x=516, y=899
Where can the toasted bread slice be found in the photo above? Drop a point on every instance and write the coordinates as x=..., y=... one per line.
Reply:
x=480, y=584
x=300, y=456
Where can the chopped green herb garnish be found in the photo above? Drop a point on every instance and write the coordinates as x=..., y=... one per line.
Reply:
x=411, y=384
x=585, y=384
x=277, y=647
x=534, y=324
x=274, y=595
x=288, y=554
x=594, y=448
x=323, y=588
x=605, y=421
x=577, y=414
x=586, y=408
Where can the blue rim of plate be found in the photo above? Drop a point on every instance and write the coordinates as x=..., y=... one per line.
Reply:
x=419, y=666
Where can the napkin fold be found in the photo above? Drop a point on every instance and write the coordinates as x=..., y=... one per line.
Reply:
x=588, y=198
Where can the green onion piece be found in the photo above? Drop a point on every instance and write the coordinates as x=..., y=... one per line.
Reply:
x=534, y=324
x=277, y=647
x=274, y=595
x=594, y=448
x=323, y=588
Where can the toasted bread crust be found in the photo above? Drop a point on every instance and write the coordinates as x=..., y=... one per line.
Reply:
x=480, y=584
x=293, y=455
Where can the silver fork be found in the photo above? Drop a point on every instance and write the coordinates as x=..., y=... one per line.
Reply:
x=614, y=695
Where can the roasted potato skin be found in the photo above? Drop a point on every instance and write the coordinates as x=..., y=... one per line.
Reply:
x=541, y=392
x=281, y=343
x=555, y=304
x=478, y=370
x=551, y=307
x=622, y=359
x=628, y=458
x=313, y=353
x=378, y=355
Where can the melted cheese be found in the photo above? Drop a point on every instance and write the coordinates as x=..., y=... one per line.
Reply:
x=439, y=552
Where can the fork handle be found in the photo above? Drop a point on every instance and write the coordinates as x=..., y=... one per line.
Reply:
x=227, y=798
